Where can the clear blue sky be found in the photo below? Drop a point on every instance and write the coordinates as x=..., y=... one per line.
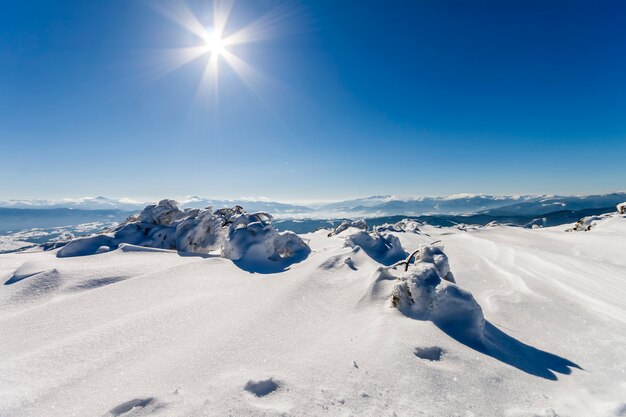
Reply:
x=382, y=97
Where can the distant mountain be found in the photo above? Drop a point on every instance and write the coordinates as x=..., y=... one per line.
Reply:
x=556, y=203
x=446, y=220
x=84, y=203
x=466, y=204
x=271, y=207
x=15, y=219
x=374, y=206
x=125, y=204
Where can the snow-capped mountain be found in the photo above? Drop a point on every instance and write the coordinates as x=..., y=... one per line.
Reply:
x=84, y=203
x=380, y=205
x=467, y=204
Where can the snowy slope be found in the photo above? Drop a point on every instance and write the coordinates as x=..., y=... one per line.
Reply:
x=139, y=331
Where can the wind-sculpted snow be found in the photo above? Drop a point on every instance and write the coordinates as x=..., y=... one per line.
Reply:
x=383, y=248
x=425, y=290
x=238, y=236
x=142, y=331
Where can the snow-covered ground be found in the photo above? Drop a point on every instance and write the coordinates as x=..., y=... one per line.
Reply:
x=530, y=322
x=9, y=244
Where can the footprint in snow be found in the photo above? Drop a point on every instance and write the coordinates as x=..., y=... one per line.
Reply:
x=433, y=353
x=135, y=407
x=263, y=387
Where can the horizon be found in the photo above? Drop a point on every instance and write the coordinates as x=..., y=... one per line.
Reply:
x=185, y=200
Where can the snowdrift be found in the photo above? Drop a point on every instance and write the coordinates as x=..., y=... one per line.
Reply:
x=426, y=291
x=237, y=235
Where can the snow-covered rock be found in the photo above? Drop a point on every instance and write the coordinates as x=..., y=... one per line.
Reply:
x=346, y=224
x=202, y=233
x=252, y=238
x=230, y=230
x=586, y=223
x=426, y=291
x=164, y=213
x=404, y=225
x=383, y=248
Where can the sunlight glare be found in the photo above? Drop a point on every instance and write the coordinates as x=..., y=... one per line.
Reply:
x=213, y=42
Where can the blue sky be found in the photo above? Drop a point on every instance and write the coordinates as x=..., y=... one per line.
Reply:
x=357, y=98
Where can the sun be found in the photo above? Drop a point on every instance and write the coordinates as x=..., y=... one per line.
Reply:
x=216, y=42
x=213, y=42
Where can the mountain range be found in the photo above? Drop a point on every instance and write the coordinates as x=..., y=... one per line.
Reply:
x=374, y=206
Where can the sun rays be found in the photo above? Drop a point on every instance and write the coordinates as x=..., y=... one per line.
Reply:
x=214, y=41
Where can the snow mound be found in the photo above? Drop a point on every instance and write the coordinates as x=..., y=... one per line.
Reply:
x=253, y=241
x=346, y=224
x=404, y=225
x=232, y=231
x=383, y=248
x=426, y=291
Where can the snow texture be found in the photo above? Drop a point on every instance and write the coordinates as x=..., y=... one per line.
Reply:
x=138, y=330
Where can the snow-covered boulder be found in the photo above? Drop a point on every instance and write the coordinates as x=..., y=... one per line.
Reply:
x=435, y=255
x=202, y=233
x=233, y=232
x=426, y=291
x=253, y=239
x=383, y=248
x=164, y=213
x=586, y=223
x=404, y=225
x=346, y=224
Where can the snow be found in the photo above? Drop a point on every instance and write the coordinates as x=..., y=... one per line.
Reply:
x=535, y=324
x=385, y=248
x=9, y=245
x=360, y=224
x=586, y=223
x=404, y=225
x=235, y=234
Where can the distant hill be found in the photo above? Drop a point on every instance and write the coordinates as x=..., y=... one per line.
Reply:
x=14, y=219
